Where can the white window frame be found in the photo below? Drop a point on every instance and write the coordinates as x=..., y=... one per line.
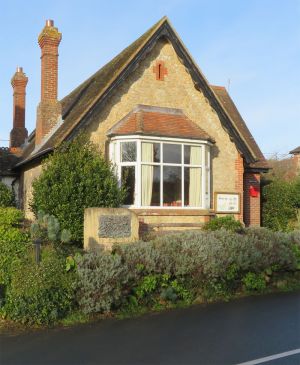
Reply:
x=115, y=157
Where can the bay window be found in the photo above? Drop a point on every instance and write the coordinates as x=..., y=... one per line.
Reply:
x=163, y=172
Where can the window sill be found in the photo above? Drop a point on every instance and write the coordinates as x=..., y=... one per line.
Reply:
x=172, y=211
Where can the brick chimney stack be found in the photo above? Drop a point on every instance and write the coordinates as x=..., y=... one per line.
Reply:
x=19, y=133
x=49, y=109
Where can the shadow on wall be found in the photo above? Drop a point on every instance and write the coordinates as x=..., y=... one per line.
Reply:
x=93, y=245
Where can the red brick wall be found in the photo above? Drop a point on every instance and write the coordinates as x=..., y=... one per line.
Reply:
x=19, y=133
x=49, y=108
x=239, y=184
x=252, y=212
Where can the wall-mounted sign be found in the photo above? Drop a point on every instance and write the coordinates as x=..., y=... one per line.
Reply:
x=227, y=202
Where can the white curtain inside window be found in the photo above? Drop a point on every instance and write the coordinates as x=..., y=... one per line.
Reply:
x=147, y=174
x=195, y=187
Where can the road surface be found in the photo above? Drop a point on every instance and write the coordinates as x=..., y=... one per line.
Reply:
x=253, y=330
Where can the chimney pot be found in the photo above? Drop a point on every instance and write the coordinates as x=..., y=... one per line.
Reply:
x=49, y=23
x=19, y=69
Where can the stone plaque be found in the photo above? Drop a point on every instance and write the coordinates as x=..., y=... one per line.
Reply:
x=114, y=226
x=105, y=227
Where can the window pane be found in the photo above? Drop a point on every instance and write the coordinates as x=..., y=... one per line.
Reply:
x=192, y=186
x=172, y=153
x=150, y=152
x=128, y=151
x=128, y=180
x=150, y=185
x=192, y=155
x=172, y=186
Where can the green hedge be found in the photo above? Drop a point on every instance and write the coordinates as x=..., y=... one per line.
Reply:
x=14, y=241
x=281, y=200
x=183, y=266
x=40, y=294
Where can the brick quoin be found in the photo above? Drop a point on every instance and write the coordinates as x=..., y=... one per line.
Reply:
x=19, y=133
x=49, y=108
x=252, y=211
x=239, y=184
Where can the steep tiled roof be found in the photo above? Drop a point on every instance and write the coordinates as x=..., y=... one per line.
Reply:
x=79, y=105
x=82, y=99
x=240, y=125
x=156, y=121
x=7, y=161
x=295, y=151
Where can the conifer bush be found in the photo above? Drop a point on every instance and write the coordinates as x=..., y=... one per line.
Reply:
x=75, y=177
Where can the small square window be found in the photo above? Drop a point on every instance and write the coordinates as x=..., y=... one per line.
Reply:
x=128, y=151
x=172, y=153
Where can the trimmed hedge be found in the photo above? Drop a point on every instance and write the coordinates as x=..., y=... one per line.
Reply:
x=182, y=267
x=281, y=200
x=40, y=294
x=14, y=241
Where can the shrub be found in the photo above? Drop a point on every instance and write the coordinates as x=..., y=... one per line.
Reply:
x=75, y=177
x=7, y=198
x=281, y=199
x=40, y=294
x=47, y=229
x=254, y=281
x=228, y=222
x=11, y=217
x=13, y=242
x=181, y=266
x=101, y=277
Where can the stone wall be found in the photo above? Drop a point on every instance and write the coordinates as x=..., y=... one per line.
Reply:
x=27, y=178
x=175, y=91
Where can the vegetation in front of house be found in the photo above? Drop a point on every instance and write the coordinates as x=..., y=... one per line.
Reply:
x=40, y=294
x=75, y=177
x=227, y=222
x=7, y=198
x=176, y=270
x=31, y=292
x=180, y=268
x=281, y=204
x=14, y=240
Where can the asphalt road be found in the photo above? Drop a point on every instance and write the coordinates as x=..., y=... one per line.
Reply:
x=222, y=333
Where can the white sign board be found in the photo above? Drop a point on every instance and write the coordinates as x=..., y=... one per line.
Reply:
x=227, y=202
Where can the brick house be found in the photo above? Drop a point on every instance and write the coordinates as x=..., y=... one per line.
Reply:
x=179, y=144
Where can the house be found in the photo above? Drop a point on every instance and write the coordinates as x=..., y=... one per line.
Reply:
x=180, y=145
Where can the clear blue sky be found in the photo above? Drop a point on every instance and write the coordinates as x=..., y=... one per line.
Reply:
x=254, y=43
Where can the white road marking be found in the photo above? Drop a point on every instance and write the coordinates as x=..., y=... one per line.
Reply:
x=272, y=357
